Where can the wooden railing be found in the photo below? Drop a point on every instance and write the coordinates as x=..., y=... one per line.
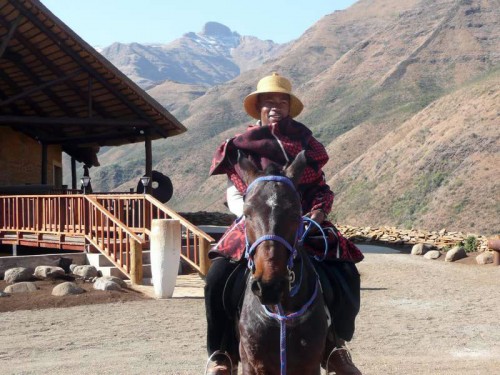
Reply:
x=112, y=238
x=138, y=212
x=113, y=224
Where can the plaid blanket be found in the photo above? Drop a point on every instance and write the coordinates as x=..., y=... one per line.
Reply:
x=261, y=145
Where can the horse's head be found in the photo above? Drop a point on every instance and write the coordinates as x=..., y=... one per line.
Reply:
x=273, y=218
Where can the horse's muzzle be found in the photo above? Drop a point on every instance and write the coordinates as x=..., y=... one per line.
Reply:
x=269, y=293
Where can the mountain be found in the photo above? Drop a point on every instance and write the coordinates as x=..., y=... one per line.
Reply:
x=404, y=95
x=213, y=56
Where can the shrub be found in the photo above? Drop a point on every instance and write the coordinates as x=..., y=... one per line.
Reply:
x=470, y=244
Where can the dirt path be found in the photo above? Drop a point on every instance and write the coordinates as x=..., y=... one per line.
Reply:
x=417, y=317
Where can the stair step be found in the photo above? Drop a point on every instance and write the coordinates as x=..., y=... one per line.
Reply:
x=115, y=271
x=100, y=260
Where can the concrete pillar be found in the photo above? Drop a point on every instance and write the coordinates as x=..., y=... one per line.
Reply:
x=165, y=255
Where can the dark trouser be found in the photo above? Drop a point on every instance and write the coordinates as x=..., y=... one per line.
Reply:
x=342, y=294
x=221, y=333
x=341, y=287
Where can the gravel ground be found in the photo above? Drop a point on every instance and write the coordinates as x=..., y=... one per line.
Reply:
x=417, y=317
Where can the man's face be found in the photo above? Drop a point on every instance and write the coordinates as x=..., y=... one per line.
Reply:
x=273, y=107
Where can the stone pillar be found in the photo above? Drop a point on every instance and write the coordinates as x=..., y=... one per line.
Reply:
x=165, y=255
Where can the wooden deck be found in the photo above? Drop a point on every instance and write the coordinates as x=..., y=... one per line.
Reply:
x=116, y=225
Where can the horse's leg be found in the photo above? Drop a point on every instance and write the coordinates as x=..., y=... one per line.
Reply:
x=245, y=365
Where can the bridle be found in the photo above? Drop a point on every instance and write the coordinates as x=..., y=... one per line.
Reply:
x=250, y=249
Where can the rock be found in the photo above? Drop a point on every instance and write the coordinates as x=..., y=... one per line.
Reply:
x=18, y=274
x=432, y=254
x=102, y=284
x=455, y=254
x=66, y=288
x=48, y=272
x=485, y=257
x=114, y=279
x=420, y=249
x=65, y=264
x=85, y=271
x=22, y=287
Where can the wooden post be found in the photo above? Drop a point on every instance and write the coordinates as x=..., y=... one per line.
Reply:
x=73, y=173
x=203, y=256
x=149, y=162
x=44, y=165
x=136, y=276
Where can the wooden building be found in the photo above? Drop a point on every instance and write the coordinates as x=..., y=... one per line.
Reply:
x=58, y=94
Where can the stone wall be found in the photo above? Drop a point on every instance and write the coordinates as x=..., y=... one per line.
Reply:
x=393, y=236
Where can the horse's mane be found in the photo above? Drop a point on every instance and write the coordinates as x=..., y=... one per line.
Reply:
x=273, y=170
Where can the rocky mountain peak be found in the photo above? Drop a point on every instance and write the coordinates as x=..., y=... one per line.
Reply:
x=212, y=56
x=217, y=30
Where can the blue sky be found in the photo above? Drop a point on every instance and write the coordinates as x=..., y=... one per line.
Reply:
x=102, y=22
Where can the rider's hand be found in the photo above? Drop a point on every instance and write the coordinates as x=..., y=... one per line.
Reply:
x=318, y=216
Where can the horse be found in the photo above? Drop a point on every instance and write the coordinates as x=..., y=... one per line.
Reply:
x=283, y=322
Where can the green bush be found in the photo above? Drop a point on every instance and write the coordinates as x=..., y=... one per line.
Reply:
x=470, y=244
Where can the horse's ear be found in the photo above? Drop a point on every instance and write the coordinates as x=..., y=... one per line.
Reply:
x=248, y=169
x=294, y=171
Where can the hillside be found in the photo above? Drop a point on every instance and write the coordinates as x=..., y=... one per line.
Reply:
x=437, y=170
x=408, y=78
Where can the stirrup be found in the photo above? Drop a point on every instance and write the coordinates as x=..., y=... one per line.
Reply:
x=336, y=349
x=219, y=352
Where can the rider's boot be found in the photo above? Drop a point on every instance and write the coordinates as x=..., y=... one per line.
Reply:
x=220, y=363
x=338, y=358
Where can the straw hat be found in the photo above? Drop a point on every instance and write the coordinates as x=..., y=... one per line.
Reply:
x=271, y=84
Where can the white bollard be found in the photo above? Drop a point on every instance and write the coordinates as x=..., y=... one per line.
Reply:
x=165, y=255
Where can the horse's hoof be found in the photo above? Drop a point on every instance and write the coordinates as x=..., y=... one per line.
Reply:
x=340, y=363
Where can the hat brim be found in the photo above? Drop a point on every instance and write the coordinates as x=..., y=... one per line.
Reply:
x=250, y=104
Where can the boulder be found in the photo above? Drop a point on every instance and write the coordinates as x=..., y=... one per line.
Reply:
x=18, y=274
x=66, y=288
x=432, y=254
x=455, y=254
x=22, y=287
x=86, y=271
x=420, y=249
x=103, y=284
x=485, y=257
x=48, y=272
x=114, y=279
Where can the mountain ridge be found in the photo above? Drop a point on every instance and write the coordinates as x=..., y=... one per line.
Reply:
x=367, y=75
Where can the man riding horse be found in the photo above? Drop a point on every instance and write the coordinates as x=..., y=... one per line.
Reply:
x=277, y=138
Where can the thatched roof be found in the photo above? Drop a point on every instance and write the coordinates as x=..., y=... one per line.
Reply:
x=57, y=89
